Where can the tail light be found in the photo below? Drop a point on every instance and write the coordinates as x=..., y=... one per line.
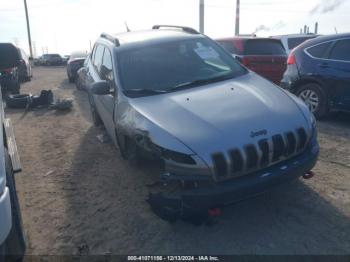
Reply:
x=291, y=59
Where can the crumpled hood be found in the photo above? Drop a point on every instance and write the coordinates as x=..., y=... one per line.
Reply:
x=223, y=115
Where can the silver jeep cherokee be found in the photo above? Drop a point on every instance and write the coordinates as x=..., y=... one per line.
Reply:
x=223, y=132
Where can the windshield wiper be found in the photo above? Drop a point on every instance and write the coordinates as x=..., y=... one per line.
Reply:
x=143, y=91
x=203, y=81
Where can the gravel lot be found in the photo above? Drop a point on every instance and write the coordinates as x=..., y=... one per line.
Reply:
x=79, y=197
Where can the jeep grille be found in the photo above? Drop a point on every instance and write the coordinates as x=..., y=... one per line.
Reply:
x=265, y=153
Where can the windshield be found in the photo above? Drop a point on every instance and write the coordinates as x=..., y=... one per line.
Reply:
x=165, y=66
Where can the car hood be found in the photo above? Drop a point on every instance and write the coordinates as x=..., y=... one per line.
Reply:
x=224, y=115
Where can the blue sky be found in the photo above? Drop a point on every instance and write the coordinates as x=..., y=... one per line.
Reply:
x=63, y=26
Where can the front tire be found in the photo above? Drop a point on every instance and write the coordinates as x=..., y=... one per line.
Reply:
x=314, y=98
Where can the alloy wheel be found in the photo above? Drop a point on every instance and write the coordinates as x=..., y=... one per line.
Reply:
x=310, y=98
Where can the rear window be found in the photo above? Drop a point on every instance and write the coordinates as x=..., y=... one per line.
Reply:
x=319, y=51
x=295, y=41
x=264, y=47
x=9, y=56
x=229, y=46
x=341, y=50
x=55, y=56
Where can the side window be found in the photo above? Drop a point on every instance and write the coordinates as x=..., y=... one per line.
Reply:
x=106, y=71
x=98, y=57
x=319, y=51
x=106, y=68
x=341, y=50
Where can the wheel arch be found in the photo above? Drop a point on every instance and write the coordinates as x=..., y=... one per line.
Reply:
x=310, y=80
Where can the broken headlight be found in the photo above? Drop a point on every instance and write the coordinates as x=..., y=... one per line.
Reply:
x=177, y=157
x=146, y=143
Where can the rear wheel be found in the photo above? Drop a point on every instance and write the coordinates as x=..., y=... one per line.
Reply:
x=14, y=246
x=314, y=98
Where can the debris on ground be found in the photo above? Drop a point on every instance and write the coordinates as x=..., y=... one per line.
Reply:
x=26, y=101
x=45, y=99
x=62, y=104
x=103, y=138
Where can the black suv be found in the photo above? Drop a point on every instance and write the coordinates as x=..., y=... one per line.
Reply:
x=9, y=77
x=318, y=72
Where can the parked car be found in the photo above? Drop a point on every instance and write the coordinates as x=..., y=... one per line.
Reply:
x=81, y=79
x=222, y=132
x=319, y=73
x=37, y=61
x=11, y=233
x=25, y=68
x=264, y=56
x=51, y=59
x=9, y=78
x=75, y=62
x=65, y=59
x=291, y=41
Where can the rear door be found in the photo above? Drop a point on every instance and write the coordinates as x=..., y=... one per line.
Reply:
x=266, y=57
x=338, y=66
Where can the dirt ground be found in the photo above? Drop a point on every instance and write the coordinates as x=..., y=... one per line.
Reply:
x=79, y=197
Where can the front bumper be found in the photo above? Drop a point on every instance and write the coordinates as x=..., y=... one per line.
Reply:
x=5, y=215
x=190, y=202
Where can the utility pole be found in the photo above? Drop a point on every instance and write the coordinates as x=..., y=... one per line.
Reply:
x=316, y=28
x=201, y=16
x=28, y=29
x=237, y=18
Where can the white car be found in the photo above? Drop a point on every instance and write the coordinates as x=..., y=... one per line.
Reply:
x=289, y=42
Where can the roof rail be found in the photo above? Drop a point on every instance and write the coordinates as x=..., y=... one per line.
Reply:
x=184, y=28
x=110, y=38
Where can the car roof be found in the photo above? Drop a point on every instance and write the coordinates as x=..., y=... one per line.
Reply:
x=325, y=38
x=293, y=36
x=246, y=38
x=149, y=37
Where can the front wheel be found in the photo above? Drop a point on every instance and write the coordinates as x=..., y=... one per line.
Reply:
x=315, y=99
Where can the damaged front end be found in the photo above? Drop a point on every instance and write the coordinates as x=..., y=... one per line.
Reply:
x=181, y=172
x=166, y=197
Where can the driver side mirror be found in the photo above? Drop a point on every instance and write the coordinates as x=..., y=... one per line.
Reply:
x=100, y=88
